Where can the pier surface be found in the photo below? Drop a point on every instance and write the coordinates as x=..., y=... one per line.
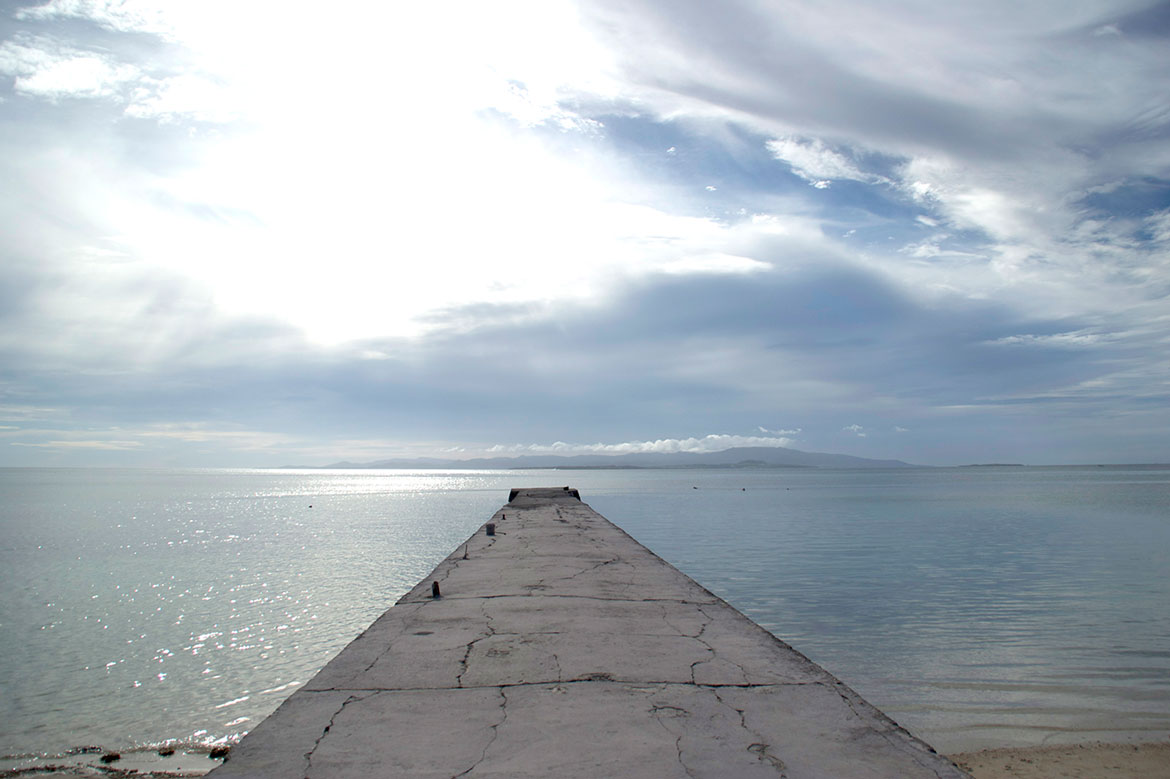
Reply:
x=561, y=647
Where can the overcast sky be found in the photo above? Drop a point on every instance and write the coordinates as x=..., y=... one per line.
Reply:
x=259, y=233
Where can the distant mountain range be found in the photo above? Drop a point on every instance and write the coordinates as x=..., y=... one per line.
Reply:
x=739, y=457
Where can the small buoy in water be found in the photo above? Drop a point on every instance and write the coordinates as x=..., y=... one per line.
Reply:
x=694, y=488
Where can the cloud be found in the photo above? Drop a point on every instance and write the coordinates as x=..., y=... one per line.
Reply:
x=202, y=432
x=47, y=69
x=26, y=413
x=111, y=14
x=958, y=124
x=155, y=442
x=779, y=432
x=420, y=234
x=815, y=162
x=714, y=264
x=1158, y=225
x=857, y=430
x=1072, y=340
x=106, y=446
x=708, y=443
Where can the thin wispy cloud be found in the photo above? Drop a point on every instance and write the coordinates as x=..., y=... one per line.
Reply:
x=708, y=443
x=816, y=163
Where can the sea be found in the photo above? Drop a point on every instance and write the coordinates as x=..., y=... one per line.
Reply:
x=987, y=606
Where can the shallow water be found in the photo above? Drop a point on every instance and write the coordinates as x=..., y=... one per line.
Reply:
x=975, y=606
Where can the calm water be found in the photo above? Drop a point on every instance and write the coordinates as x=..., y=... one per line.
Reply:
x=977, y=607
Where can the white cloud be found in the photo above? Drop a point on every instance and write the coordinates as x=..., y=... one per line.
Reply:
x=857, y=430
x=815, y=162
x=1071, y=340
x=709, y=443
x=1001, y=115
x=1158, y=225
x=202, y=432
x=26, y=413
x=765, y=430
x=120, y=15
x=101, y=445
x=153, y=438
x=47, y=69
x=714, y=263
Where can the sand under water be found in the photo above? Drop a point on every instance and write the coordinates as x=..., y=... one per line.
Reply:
x=1070, y=761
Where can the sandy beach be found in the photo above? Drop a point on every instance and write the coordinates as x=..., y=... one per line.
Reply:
x=1066, y=761
x=1070, y=761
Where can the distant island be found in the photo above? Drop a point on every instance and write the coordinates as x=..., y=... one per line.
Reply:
x=993, y=465
x=738, y=457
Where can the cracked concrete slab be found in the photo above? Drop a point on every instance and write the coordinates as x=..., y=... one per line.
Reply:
x=281, y=745
x=461, y=725
x=561, y=646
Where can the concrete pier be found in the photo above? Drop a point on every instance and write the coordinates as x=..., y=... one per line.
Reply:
x=560, y=647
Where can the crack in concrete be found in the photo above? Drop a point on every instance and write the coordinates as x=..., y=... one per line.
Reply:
x=678, y=748
x=370, y=666
x=699, y=637
x=710, y=621
x=451, y=564
x=676, y=628
x=590, y=569
x=325, y=732
x=761, y=752
x=540, y=583
x=759, y=747
x=593, y=677
x=495, y=735
x=491, y=631
x=677, y=712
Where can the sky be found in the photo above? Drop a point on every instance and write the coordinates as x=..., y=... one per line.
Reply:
x=265, y=233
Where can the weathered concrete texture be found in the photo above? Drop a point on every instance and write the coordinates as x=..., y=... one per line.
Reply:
x=562, y=647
